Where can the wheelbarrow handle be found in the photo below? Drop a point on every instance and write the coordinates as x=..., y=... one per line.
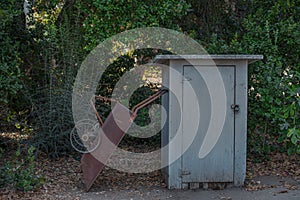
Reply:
x=96, y=112
x=135, y=109
x=105, y=98
x=147, y=101
x=94, y=108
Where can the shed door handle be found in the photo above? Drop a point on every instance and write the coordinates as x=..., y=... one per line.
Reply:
x=235, y=107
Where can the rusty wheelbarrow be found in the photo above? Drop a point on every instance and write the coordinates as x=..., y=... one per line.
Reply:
x=111, y=133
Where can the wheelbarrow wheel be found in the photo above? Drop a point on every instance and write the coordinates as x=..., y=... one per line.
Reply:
x=85, y=136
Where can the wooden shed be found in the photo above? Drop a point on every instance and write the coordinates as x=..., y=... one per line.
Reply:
x=204, y=137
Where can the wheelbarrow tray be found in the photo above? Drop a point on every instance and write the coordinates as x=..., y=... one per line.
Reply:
x=113, y=130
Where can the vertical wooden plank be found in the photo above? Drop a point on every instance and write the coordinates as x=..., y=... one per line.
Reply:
x=165, y=128
x=175, y=125
x=241, y=122
x=218, y=165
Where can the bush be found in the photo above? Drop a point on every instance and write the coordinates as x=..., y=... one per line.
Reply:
x=275, y=82
x=51, y=93
x=10, y=73
x=20, y=173
x=104, y=19
x=273, y=30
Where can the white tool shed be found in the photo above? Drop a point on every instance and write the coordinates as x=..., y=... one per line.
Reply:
x=204, y=137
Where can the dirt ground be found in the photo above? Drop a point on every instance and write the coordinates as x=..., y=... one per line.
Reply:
x=278, y=178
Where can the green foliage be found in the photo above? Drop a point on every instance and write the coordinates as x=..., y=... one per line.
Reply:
x=59, y=41
x=206, y=18
x=20, y=173
x=10, y=83
x=143, y=117
x=103, y=19
x=10, y=73
x=276, y=81
x=273, y=30
x=51, y=93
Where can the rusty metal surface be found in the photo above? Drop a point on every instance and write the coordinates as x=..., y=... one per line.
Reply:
x=91, y=167
x=113, y=130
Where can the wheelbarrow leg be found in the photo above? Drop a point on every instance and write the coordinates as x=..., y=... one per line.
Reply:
x=113, y=130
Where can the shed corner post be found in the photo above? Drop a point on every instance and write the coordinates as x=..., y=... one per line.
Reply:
x=240, y=138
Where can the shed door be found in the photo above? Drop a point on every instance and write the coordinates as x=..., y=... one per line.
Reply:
x=218, y=164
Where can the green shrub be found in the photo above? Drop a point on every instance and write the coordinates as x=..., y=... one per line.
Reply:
x=10, y=73
x=20, y=172
x=104, y=19
x=51, y=93
x=275, y=82
x=273, y=30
